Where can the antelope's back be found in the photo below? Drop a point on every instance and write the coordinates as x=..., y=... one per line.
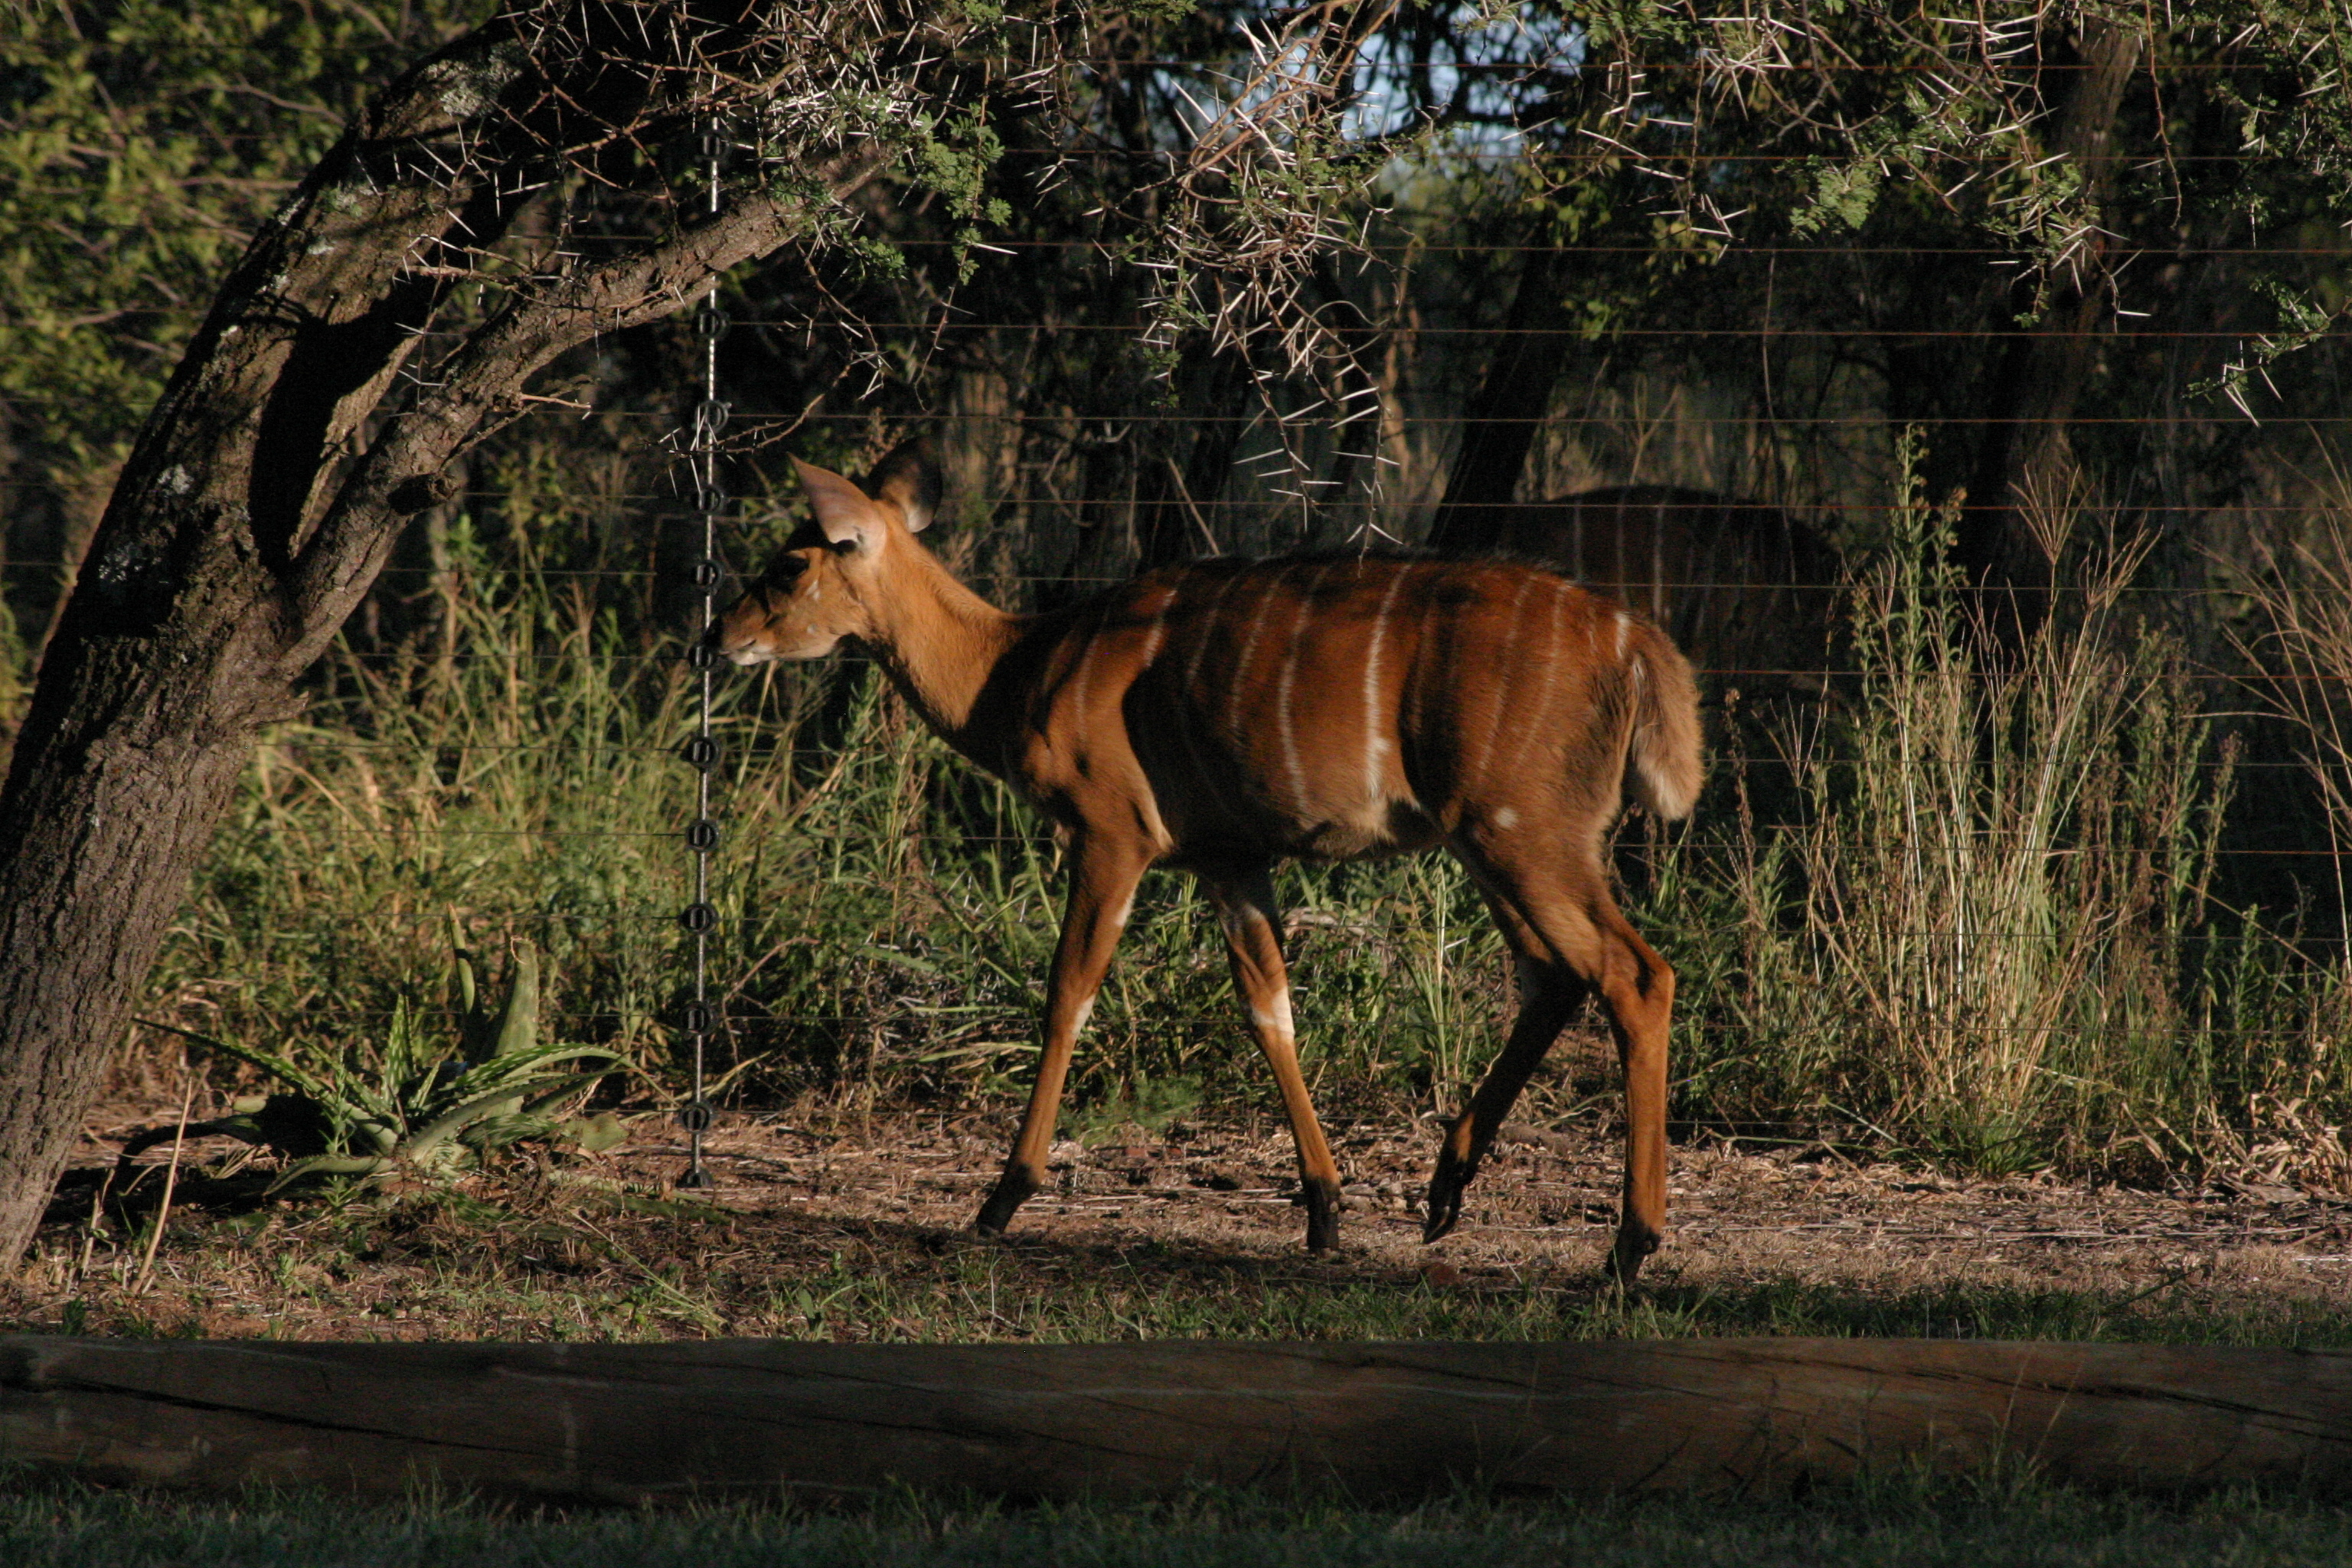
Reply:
x=1746, y=589
x=1348, y=706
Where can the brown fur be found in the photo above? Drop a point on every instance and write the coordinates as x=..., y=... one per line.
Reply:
x=1219, y=716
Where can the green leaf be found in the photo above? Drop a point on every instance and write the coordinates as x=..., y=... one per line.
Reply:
x=278, y=1066
x=450, y=1122
x=519, y=1023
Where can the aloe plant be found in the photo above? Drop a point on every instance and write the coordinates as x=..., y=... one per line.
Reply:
x=418, y=1103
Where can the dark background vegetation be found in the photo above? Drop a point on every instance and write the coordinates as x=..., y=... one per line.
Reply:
x=2036, y=319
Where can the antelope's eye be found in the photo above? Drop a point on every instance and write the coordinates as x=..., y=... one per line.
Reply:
x=787, y=567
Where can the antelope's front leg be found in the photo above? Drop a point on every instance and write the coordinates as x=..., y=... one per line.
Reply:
x=1246, y=907
x=1102, y=891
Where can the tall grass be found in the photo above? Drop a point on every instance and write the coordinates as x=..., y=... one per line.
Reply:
x=1978, y=927
x=1986, y=933
x=886, y=912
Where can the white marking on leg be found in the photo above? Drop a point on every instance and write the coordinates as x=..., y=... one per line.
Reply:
x=1624, y=629
x=1125, y=909
x=1086, y=1011
x=1376, y=743
x=1276, y=1019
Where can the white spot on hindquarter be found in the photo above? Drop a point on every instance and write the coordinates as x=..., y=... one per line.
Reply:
x=1505, y=819
x=1376, y=741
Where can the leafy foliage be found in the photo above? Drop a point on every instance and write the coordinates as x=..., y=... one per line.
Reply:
x=410, y=1103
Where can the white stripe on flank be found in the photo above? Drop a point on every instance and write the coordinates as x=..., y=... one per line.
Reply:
x=1284, y=686
x=1086, y=657
x=1156, y=633
x=1500, y=685
x=1241, y=692
x=1540, y=714
x=1201, y=638
x=1376, y=743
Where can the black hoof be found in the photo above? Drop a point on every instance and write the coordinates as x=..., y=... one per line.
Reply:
x=1014, y=1190
x=1634, y=1244
x=1322, y=1217
x=1444, y=1210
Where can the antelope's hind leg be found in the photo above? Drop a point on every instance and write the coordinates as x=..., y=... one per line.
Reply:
x=1548, y=993
x=1570, y=937
x=1102, y=891
x=1253, y=924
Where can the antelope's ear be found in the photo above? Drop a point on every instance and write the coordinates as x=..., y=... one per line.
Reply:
x=908, y=478
x=845, y=514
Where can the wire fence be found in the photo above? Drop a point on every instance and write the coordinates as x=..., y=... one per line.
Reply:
x=535, y=634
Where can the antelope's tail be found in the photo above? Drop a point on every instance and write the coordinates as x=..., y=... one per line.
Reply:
x=1662, y=756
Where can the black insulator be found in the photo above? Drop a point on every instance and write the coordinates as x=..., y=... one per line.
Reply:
x=706, y=574
x=702, y=836
x=702, y=751
x=697, y=1017
x=699, y=918
x=699, y=655
x=695, y=1116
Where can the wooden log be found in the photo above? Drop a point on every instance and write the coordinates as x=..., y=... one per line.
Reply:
x=751, y=1417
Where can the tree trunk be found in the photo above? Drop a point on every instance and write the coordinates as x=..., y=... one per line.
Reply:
x=2023, y=454
x=1501, y=424
x=242, y=535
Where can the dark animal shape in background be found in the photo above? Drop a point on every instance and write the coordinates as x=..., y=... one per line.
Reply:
x=1746, y=590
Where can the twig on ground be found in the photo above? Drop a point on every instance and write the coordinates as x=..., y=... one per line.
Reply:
x=171, y=1179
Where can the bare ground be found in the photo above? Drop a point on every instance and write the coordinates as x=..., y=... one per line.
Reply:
x=874, y=1210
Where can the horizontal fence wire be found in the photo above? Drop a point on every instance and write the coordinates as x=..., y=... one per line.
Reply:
x=1023, y=487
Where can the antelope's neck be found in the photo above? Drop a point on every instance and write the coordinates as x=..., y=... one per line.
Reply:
x=940, y=642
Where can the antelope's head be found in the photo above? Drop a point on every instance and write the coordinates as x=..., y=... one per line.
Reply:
x=822, y=586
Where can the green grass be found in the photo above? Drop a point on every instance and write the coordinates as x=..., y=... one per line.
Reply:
x=1898, y=1519
x=1977, y=930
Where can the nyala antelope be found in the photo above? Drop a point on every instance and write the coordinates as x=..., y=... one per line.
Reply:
x=1219, y=716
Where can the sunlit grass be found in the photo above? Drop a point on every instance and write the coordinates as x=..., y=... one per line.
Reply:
x=1978, y=931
